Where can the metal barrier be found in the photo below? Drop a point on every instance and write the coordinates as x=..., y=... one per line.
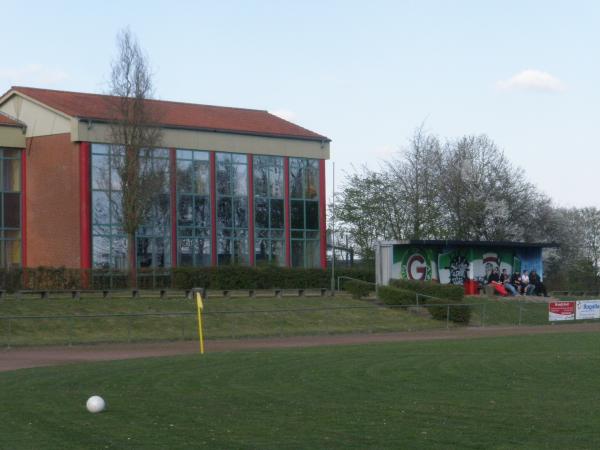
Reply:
x=221, y=324
x=574, y=293
x=350, y=278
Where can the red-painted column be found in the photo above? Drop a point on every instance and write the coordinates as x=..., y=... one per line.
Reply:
x=251, y=209
x=322, y=214
x=213, y=208
x=24, y=208
x=85, y=218
x=287, y=209
x=173, y=195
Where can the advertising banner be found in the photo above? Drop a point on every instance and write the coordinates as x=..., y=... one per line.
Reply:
x=588, y=309
x=561, y=311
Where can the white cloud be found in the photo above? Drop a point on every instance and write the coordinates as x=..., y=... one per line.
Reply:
x=532, y=80
x=32, y=74
x=285, y=114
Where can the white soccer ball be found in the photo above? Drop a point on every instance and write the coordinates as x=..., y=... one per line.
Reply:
x=95, y=404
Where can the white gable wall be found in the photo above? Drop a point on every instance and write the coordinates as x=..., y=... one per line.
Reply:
x=40, y=121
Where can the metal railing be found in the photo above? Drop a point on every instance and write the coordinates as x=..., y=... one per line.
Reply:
x=574, y=293
x=354, y=279
x=223, y=324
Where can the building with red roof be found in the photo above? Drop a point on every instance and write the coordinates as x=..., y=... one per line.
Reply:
x=244, y=186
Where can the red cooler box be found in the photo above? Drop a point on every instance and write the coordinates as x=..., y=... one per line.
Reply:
x=471, y=287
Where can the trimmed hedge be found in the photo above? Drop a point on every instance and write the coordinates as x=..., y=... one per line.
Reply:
x=225, y=277
x=458, y=313
x=10, y=280
x=445, y=291
x=358, y=289
x=394, y=296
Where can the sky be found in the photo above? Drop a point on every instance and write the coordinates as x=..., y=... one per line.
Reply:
x=365, y=74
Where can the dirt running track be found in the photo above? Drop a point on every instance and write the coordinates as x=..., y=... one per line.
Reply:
x=24, y=357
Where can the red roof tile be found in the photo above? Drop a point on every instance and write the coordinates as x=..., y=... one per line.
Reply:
x=174, y=114
x=7, y=120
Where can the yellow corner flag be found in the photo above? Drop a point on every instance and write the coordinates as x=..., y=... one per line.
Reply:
x=200, y=307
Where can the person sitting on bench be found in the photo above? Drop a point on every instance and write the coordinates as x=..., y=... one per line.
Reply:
x=505, y=280
x=524, y=282
x=536, y=281
x=494, y=280
x=515, y=280
x=494, y=276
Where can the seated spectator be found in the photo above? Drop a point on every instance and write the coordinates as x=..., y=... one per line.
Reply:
x=494, y=276
x=505, y=280
x=536, y=282
x=524, y=282
x=515, y=280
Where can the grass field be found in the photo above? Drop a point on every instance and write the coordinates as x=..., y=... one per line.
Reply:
x=238, y=317
x=498, y=311
x=223, y=318
x=504, y=393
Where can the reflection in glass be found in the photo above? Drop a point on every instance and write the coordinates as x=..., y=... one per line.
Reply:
x=12, y=210
x=185, y=210
x=277, y=253
x=297, y=253
x=304, y=211
x=261, y=213
x=312, y=215
x=240, y=206
x=224, y=212
x=100, y=172
x=296, y=178
x=101, y=252
x=202, y=212
x=261, y=181
x=109, y=245
x=13, y=253
x=277, y=218
x=184, y=176
x=11, y=175
x=202, y=177
x=100, y=211
x=297, y=213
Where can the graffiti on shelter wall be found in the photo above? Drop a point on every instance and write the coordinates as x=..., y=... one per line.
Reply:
x=414, y=264
x=457, y=264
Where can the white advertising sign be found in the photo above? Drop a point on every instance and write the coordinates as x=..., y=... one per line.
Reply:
x=587, y=309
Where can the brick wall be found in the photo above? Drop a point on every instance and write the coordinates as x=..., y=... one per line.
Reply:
x=52, y=201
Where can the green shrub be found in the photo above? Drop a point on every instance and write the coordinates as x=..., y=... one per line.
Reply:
x=243, y=277
x=458, y=313
x=358, y=273
x=394, y=296
x=433, y=289
x=10, y=279
x=224, y=277
x=358, y=289
x=443, y=295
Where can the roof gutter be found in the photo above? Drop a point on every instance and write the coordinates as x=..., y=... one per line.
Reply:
x=322, y=139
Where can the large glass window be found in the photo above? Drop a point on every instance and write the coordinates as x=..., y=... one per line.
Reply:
x=232, y=208
x=109, y=241
x=269, y=212
x=10, y=208
x=304, y=212
x=193, y=208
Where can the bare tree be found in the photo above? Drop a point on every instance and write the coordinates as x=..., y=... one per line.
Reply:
x=463, y=189
x=135, y=134
x=413, y=180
